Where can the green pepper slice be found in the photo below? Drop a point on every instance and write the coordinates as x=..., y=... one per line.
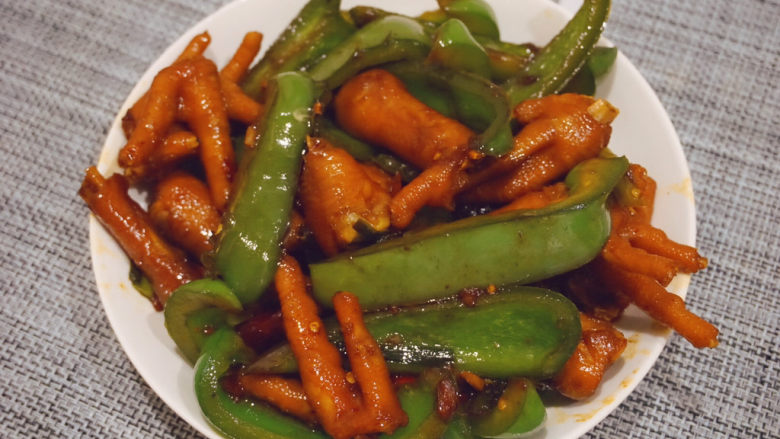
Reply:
x=238, y=419
x=563, y=56
x=536, y=329
x=455, y=48
x=516, y=247
x=196, y=308
x=419, y=402
x=317, y=29
x=476, y=14
x=376, y=33
x=253, y=226
x=521, y=413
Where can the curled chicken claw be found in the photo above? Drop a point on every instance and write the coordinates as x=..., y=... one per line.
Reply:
x=347, y=404
x=559, y=132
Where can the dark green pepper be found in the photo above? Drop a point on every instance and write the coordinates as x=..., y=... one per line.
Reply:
x=455, y=48
x=563, y=56
x=196, y=308
x=419, y=402
x=519, y=411
x=505, y=59
x=515, y=247
x=476, y=14
x=374, y=34
x=257, y=217
x=471, y=99
x=318, y=28
x=599, y=63
x=520, y=331
x=238, y=419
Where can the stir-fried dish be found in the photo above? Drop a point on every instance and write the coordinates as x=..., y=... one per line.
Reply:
x=391, y=226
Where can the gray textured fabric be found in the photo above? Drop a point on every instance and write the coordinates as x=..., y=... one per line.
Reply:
x=65, y=67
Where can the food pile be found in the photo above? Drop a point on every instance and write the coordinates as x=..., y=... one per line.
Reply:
x=391, y=225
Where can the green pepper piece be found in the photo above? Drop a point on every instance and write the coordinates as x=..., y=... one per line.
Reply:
x=418, y=400
x=515, y=247
x=318, y=28
x=506, y=59
x=454, y=47
x=373, y=34
x=364, y=152
x=583, y=83
x=476, y=14
x=363, y=15
x=601, y=60
x=563, y=56
x=254, y=224
x=535, y=329
x=238, y=419
x=140, y=282
x=388, y=51
x=599, y=63
x=458, y=428
x=188, y=303
x=522, y=412
x=475, y=101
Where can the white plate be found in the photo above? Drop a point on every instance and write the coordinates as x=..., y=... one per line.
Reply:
x=643, y=132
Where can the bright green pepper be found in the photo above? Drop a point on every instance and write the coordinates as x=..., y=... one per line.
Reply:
x=418, y=400
x=476, y=14
x=522, y=412
x=455, y=48
x=238, y=419
x=197, y=307
x=536, y=330
x=563, y=56
x=318, y=28
x=373, y=34
x=472, y=100
x=515, y=247
x=248, y=246
x=506, y=59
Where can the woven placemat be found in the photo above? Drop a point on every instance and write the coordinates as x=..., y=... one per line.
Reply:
x=65, y=68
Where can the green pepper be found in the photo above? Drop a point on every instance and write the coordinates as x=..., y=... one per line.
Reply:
x=515, y=247
x=520, y=331
x=476, y=14
x=196, y=308
x=454, y=47
x=364, y=152
x=376, y=33
x=563, y=56
x=390, y=50
x=418, y=400
x=458, y=428
x=599, y=63
x=248, y=247
x=318, y=28
x=505, y=59
x=521, y=411
x=238, y=419
x=474, y=101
